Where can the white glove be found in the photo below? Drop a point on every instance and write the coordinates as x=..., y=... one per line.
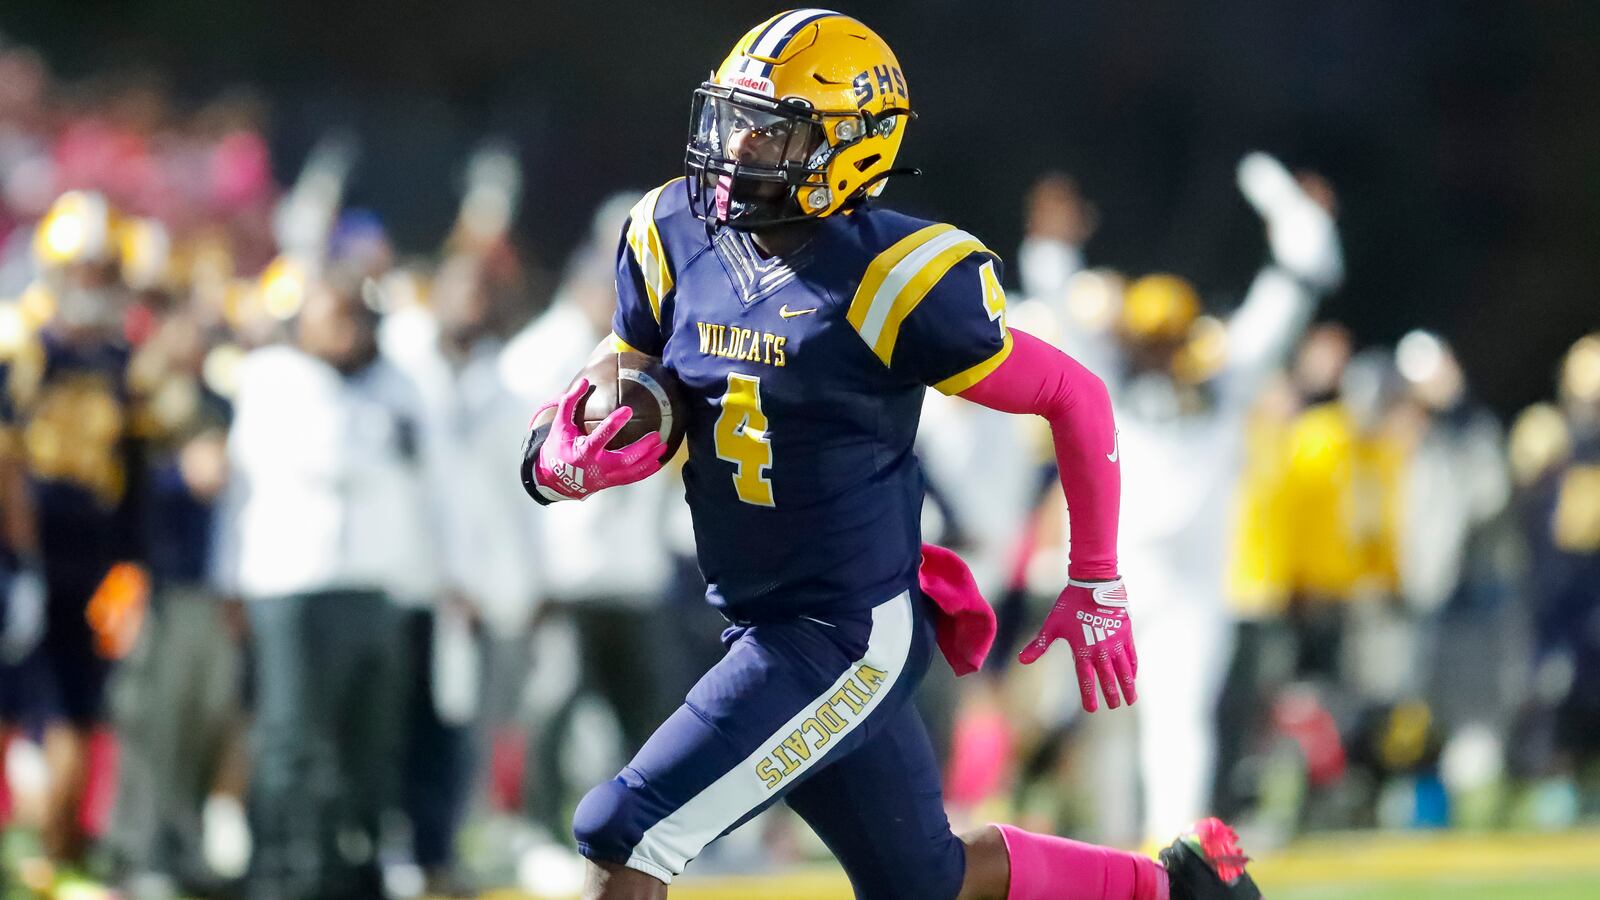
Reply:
x=23, y=628
x=1300, y=233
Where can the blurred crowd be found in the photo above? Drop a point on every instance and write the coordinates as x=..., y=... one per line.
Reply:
x=277, y=621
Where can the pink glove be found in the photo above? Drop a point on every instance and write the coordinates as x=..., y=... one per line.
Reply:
x=572, y=465
x=1093, y=617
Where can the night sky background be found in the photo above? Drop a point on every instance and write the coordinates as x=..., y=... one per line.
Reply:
x=1463, y=138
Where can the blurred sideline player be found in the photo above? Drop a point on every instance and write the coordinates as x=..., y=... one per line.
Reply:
x=68, y=438
x=805, y=326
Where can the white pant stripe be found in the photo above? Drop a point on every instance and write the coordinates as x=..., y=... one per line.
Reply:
x=668, y=845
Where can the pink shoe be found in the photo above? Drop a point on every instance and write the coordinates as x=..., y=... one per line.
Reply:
x=1205, y=863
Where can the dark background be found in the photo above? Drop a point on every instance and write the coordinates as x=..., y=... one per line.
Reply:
x=1462, y=137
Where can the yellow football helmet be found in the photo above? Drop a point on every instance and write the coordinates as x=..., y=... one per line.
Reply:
x=802, y=120
x=80, y=227
x=1159, y=309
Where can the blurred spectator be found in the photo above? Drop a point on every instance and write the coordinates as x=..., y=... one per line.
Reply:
x=1183, y=384
x=1457, y=482
x=187, y=663
x=1345, y=465
x=27, y=178
x=1555, y=453
x=330, y=510
x=452, y=352
x=1261, y=573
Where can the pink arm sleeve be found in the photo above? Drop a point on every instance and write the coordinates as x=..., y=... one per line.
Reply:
x=1037, y=378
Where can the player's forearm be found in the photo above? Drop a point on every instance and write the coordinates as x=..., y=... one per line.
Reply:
x=1039, y=379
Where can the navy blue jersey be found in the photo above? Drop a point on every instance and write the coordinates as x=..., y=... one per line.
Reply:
x=177, y=525
x=66, y=409
x=805, y=377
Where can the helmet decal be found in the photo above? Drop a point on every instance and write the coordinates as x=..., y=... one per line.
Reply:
x=802, y=120
x=757, y=83
x=774, y=39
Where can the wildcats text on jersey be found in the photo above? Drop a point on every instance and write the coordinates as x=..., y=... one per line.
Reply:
x=734, y=342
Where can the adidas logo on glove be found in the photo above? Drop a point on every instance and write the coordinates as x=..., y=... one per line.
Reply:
x=570, y=476
x=1096, y=628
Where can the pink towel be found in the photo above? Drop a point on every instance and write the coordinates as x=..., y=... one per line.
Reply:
x=966, y=625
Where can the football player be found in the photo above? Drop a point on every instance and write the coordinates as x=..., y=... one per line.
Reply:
x=805, y=323
x=69, y=437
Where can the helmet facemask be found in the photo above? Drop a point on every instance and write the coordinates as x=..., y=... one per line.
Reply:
x=751, y=158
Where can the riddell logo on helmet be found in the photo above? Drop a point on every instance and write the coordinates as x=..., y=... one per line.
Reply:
x=751, y=83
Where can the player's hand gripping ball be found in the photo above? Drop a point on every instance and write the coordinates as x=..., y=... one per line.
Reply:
x=642, y=384
x=615, y=425
x=1093, y=618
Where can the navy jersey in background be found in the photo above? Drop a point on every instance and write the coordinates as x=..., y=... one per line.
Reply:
x=67, y=410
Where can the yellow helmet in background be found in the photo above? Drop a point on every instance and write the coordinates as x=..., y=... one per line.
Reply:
x=78, y=228
x=1540, y=439
x=803, y=120
x=1204, y=351
x=1580, y=372
x=1159, y=309
x=283, y=286
x=145, y=249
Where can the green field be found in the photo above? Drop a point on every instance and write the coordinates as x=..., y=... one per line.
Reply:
x=1345, y=867
x=1532, y=888
x=1562, y=866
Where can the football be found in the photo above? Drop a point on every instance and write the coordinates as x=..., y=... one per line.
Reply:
x=641, y=383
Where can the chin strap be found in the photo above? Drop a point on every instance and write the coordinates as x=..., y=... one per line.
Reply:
x=861, y=193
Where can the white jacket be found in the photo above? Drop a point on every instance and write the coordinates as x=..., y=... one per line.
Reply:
x=477, y=425
x=332, y=485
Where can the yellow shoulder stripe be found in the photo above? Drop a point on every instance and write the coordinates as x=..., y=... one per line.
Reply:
x=898, y=279
x=879, y=269
x=960, y=381
x=644, y=241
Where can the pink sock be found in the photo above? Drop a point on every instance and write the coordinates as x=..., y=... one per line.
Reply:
x=1044, y=867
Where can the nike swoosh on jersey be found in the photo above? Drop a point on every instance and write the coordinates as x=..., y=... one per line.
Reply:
x=788, y=313
x=1116, y=447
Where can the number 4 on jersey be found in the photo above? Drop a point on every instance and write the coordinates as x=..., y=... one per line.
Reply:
x=994, y=299
x=742, y=439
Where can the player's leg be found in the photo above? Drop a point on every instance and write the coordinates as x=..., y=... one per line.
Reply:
x=66, y=756
x=77, y=674
x=615, y=881
x=880, y=811
x=1007, y=863
x=785, y=698
x=1203, y=863
x=295, y=694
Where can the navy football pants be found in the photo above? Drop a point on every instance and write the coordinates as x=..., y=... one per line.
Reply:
x=815, y=711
